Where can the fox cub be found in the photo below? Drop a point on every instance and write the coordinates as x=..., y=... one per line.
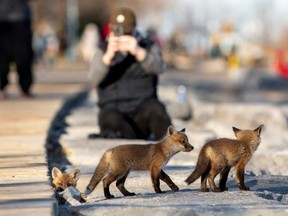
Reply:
x=118, y=161
x=62, y=181
x=218, y=156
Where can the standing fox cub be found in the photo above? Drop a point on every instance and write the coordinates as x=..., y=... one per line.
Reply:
x=62, y=181
x=118, y=161
x=218, y=156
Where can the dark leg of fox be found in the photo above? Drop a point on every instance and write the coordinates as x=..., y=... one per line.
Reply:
x=107, y=193
x=223, y=178
x=120, y=185
x=211, y=178
x=240, y=177
x=204, y=177
x=164, y=177
x=106, y=183
x=204, y=183
x=155, y=179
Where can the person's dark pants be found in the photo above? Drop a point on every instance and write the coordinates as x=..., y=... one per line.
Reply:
x=149, y=121
x=16, y=46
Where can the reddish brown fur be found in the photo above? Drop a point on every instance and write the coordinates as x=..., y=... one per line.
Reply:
x=218, y=156
x=118, y=161
x=64, y=180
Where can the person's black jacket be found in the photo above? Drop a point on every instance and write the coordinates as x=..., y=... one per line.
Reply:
x=125, y=83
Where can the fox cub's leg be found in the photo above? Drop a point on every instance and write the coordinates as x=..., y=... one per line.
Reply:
x=211, y=178
x=204, y=183
x=223, y=178
x=111, y=177
x=155, y=179
x=120, y=185
x=164, y=177
x=204, y=178
x=240, y=177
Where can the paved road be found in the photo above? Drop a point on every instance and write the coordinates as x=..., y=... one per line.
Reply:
x=24, y=182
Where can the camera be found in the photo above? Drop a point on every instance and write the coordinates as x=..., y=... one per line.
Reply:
x=118, y=30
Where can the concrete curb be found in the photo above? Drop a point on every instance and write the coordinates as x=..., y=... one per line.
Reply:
x=56, y=156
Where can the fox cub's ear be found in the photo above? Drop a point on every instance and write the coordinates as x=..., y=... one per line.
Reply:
x=259, y=129
x=183, y=130
x=75, y=174
x=171, y=130
x=56, y=172
x=235, y=129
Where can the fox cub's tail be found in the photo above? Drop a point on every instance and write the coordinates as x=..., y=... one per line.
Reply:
x=98, y=175
x=202, y=166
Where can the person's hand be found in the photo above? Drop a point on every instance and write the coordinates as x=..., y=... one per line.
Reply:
x=125, y=43
x=112, y=48
x=129, y=44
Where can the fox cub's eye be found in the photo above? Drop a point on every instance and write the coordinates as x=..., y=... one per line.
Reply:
x=182, y=141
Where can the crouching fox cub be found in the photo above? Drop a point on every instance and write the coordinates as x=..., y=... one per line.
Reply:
x=66, y=181
x=61, y=181
x=118, y=161
x=218, y=156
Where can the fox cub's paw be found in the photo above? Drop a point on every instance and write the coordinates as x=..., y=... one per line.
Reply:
x=175, y=188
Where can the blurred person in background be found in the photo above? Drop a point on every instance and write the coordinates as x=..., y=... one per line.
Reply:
x=89, y=41
x=16, y=44
x=125, y=70
x=46, y=44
